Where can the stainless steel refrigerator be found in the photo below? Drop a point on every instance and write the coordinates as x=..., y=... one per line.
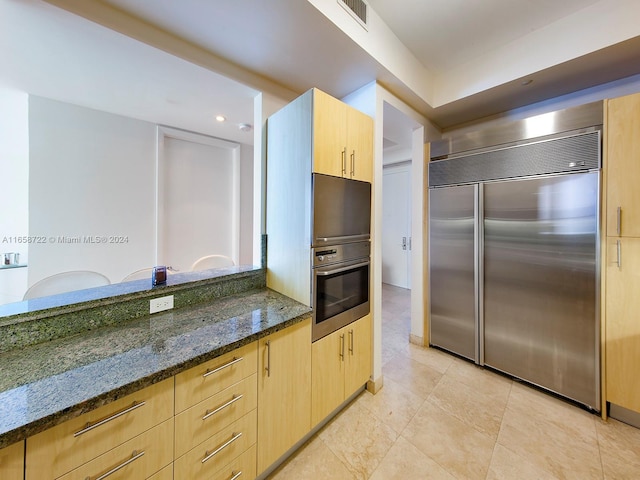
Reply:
x=513, y=255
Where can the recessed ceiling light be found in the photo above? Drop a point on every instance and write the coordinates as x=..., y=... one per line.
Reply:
x=245, y=127
x=526, y=82
x=220, y=118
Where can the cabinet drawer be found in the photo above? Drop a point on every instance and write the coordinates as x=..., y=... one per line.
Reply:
x=165, y=474
x=12, y=462
x=138, y=458
x=211, y=455
x=66, y=446
x=208, y=417
x=209, y=378
x=241, y=468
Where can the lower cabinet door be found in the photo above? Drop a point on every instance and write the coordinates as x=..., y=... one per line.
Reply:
x=358, y=355
x=139, y=458
x=12, y=462
x=327, y=374
x=284, y=391
x=206, y=460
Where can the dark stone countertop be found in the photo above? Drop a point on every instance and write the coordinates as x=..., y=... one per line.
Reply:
x=46, y=384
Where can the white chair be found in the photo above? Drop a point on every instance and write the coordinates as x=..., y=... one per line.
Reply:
x=66, y=282
x=212, y=261
x=142, y=274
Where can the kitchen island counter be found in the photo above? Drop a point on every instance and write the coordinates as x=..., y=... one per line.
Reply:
x=48, y=383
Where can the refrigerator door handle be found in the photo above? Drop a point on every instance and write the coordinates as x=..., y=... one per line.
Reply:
x=479, y=273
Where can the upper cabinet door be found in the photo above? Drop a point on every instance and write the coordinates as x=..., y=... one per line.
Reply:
x=359, y=145
x=329, y=135
x=623, y=166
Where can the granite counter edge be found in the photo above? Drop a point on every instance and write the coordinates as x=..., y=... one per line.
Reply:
x=23, y=432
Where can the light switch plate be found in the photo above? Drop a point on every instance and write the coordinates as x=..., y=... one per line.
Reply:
x=161, y=304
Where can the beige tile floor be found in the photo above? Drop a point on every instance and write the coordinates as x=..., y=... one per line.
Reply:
x=439, y=417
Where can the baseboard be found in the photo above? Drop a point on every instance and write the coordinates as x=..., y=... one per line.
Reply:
x=416, y=340
x=374, y=386
x=624, y=415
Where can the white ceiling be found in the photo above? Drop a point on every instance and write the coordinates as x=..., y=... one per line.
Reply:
x=290, y=46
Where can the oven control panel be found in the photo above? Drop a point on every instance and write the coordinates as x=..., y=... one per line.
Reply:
x=340, y=253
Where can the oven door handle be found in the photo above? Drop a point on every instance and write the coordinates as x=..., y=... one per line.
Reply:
x=323, y=273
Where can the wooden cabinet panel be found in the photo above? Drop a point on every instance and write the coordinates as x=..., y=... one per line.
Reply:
x=329, y=135
x=209, y=378
x=219, y=450
x=623, y=327
x=241, y=468
x=165, y=474
x=61, y=449
x=138, y=458
x=358, y=357
x=199, y=422
x=284, y=391
x=359, y=145
x=623, y=166
x=341, y=363
x=12, y=462
x=327, y=374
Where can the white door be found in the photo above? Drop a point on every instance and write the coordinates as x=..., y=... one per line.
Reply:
x=396, y=226
x=197, y=200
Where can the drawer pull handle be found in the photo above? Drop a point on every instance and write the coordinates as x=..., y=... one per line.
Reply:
x=222, y=367
x=222, y=407
x=90, y=426
x=235, y=475
x=208, y=456
x=134, y=456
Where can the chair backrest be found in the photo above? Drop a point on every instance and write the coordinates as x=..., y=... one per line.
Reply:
x=66, y=282
x=142, y=274
x=212, y=261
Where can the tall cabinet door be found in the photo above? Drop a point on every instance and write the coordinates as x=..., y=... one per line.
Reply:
x=623, y=166
x=623, y=327
x=329, y=135
x=359, y=145
x=452, y=259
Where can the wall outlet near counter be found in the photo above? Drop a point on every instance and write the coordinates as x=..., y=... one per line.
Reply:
x=161, y=304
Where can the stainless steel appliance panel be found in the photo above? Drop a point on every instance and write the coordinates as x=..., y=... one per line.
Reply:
x=341, y=210
x=452, y=260
x=540, y=282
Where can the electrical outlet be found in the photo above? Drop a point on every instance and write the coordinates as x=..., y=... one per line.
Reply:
x=160, y=304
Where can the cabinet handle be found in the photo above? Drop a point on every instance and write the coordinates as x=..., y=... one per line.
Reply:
x=619, y=220
x=209, y=456
x=619, y=247
x=268, y=367
x=134, y=456
x=222, y=407
x=222, y=367
x=344, y=161
x=353, y=163
x=342, y=347
x=235, y=475
x=90, y=426
x=351, y=341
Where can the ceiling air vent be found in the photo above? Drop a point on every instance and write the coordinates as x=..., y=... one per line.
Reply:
x=357, y=9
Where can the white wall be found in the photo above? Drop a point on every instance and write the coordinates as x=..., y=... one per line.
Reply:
x=14, y=175
x=91, y=174
x=94, y=173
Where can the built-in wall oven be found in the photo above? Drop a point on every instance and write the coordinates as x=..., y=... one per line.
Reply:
x=340, y=253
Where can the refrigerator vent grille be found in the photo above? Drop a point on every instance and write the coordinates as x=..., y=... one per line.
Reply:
x=577, y=153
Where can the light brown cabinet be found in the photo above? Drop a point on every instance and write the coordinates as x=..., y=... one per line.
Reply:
x=623, y=327
x=65, y=447
x=342, y=139
x=623, y=166
x=341, y=363
x=215, y=422
x=284, y=391
x=12, y=462
x=621, y=270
